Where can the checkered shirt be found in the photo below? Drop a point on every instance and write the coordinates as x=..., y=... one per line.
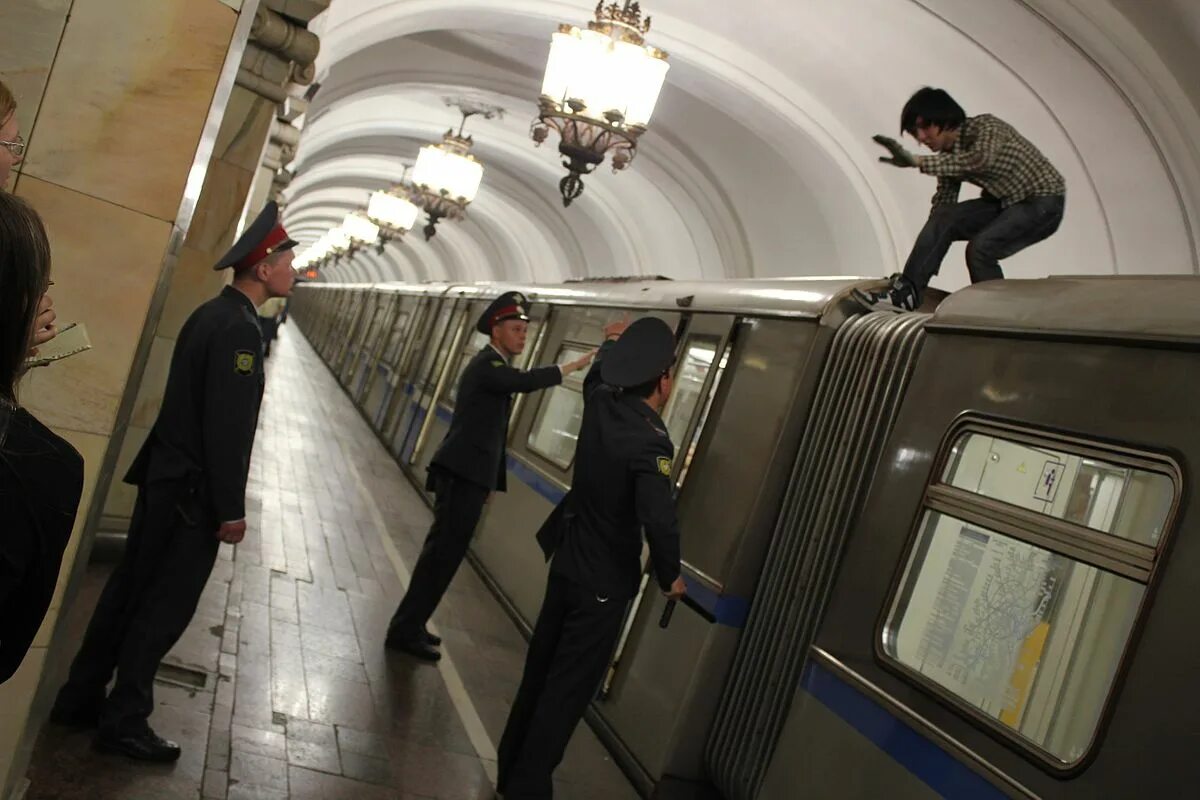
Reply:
x=992, y=155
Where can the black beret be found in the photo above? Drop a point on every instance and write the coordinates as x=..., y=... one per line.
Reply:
x=264, y=237
x=510, y=305
x=645, y=350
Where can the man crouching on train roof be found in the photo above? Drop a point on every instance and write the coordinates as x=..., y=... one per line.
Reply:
x=621, y=485
x=469, y=465
x=1022, y=201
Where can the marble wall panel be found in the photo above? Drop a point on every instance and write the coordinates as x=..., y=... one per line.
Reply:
x=154, y=381
x=244, y=129
x=193, y=281
x=106, y=264
x=219, y=209
x=128, y=133
x=29, y=34
x=122, y=496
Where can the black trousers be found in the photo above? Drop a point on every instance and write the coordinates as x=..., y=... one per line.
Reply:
x=457, y=506
x=992, y=233
x=572, y=643
x=144, y=609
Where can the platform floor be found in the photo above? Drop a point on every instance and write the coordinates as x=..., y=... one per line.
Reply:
x=281, y=687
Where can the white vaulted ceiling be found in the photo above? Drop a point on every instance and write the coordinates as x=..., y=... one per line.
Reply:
x=758, y=161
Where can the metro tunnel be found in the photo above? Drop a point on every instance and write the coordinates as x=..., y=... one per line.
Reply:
x=384, y=487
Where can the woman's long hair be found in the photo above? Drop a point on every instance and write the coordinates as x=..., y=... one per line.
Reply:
x=24, y=272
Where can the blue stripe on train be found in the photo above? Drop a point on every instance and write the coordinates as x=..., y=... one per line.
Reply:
x=939, y=770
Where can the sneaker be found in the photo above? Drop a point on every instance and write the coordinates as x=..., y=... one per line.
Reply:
x=897, y=295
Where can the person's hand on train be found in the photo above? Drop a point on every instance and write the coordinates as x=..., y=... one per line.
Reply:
x=232, y=532
x=678, y=589
x=577, y=364
x=44, y=328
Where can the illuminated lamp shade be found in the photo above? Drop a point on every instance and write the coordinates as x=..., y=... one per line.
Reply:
x=359, y=228
x=599, y=91
x=391, y=211
x=448, y=173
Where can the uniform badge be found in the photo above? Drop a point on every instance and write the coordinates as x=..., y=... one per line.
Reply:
x=243, y=362
x=664, y=465
x=497, y=363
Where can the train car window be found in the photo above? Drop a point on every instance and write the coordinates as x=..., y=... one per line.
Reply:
x=690, y=373
x=475, y=343
x=436, y=346
x=1024, y=581
x=391, y=355
x=555, y=430
x=1119, y=500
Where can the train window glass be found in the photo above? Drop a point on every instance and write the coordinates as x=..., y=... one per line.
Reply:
x=1027, y=637
x=475, y=343
x=396, y=342
x=1123, y=501
x=688, y=386
x=435, y=347
x=555, y=430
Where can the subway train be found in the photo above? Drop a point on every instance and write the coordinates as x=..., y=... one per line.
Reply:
x=947, y=553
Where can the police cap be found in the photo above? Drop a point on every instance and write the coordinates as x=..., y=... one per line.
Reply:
x=645, y=350
x=510, y=305
x=264, y=237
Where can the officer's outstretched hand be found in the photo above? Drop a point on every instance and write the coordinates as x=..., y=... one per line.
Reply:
x=614, y=329
x=678, y=589
x=232, y=532
x=579, y=363
x=900, y=156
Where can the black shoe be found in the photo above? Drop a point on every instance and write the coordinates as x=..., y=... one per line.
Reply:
x=88, y=717
x=417, y=648
x=431, y=639
x=144, y=746
x=898, y=295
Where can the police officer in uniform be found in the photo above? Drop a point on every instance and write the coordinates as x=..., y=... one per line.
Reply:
x=191, y=478
x=622, y=485
x=469, y=465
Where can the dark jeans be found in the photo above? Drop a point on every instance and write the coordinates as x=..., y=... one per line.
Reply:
x=457, y=506
x=991, y=234
x=572, y=642
x=144, y=609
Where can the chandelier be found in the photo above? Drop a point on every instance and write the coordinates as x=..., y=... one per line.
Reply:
x=392, y=212
x=446, y=176
x=600, y=88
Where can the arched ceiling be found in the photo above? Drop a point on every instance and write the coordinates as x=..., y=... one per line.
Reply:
x=758, y=161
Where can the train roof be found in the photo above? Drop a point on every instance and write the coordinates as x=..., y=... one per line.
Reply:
x=1131, y=307
x=807, y=297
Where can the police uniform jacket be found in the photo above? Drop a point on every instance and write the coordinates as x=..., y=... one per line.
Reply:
x=621, y=485
x=205, y=429
x=474, y=446
x=41, y=477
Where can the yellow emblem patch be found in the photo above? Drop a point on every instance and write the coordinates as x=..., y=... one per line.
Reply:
x=497, y=363
x=243, y=362
x=664, y=465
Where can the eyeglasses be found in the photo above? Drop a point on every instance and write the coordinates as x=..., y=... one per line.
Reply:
x=17, y=147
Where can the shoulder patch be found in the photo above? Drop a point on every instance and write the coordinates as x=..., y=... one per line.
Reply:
x=243, y=362
x=664, y=465
x=497, y=363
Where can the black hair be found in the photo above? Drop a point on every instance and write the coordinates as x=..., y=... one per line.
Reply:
x=932, y=107
x=24, y=272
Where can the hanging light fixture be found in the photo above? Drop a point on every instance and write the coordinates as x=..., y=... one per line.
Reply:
x=600, y=88
x=446, y=177
x=393, y=212
x=359, y=229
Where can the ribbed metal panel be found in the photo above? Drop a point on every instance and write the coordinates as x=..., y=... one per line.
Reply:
x=868, y=366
